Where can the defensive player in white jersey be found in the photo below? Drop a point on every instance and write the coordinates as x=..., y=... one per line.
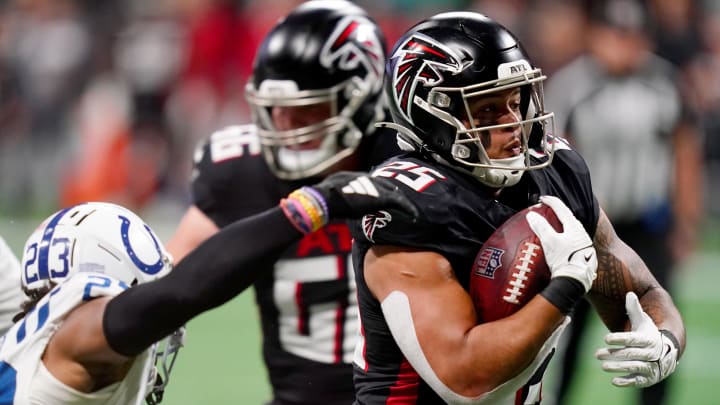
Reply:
x=75, y=260
x=101, y=294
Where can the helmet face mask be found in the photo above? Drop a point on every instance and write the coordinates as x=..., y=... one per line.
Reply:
x=475, y=128
x=327, y=133
x=324, y=53
x=92, y=237
x=452, y=80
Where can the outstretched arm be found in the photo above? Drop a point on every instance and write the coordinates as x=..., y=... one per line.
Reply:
x=210, y=275
x=232, y=259
x=97, y=341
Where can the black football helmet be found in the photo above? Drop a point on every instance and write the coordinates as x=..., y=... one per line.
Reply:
x=324, y=52
x=434, y=73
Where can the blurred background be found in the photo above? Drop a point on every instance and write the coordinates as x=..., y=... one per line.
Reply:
x=106, y=100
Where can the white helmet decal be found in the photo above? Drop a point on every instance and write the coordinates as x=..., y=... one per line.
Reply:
x=145, y=268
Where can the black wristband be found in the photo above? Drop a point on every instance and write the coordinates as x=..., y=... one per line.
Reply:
x=564, y=293
x=671, y=337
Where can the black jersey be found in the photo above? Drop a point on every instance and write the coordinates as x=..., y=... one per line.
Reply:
x=307, y=297
x=457, y=214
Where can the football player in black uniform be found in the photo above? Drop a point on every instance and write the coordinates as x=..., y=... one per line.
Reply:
x=315, y=94
x=468, y=108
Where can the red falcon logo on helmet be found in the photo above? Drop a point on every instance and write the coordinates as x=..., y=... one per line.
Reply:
x=353, y=42
x=371, y=222
x=420, y=59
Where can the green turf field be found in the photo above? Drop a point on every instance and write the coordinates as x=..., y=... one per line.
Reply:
x=221, y=362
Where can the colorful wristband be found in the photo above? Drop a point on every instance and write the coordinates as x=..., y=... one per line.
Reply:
x=294, y=212
x=306, y=209
x=318, y=198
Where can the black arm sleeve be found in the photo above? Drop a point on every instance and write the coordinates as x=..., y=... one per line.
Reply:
x=212, y=274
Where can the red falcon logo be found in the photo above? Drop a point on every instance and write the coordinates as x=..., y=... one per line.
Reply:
x=421, y=59
x=355, y=42
x=371, y=222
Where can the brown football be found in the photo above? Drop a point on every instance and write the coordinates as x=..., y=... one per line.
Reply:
x=510, y=267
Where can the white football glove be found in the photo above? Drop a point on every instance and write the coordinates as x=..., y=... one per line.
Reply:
x=646, y=354
x=569, y=253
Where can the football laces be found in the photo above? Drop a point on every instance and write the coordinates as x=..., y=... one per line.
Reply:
x=518, y=277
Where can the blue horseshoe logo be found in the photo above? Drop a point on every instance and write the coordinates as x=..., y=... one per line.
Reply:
x=144, y=267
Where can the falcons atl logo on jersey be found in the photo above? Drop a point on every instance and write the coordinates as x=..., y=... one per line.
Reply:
x=409, y=70
x=371, y=222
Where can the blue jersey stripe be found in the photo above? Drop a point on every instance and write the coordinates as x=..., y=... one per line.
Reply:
x=8, y=382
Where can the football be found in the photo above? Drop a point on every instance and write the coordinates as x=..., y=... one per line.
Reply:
x=510, y=267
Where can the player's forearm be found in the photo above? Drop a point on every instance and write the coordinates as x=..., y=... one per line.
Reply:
x=219, y=269
x=462, y=361
x=506, y=347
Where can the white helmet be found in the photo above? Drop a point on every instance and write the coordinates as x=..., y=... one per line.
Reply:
x=93, y=237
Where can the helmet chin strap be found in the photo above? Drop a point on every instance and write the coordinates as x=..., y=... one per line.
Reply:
x=491, y=177
x=497, y=177
x=296, y=160
x=406, y=139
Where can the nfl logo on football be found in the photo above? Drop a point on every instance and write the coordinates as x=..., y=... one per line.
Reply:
x=488, y=261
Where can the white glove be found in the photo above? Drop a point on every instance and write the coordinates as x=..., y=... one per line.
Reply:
x=646, y=354
x=569, y=253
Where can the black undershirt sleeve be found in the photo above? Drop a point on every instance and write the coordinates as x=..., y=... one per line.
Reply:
x=218, y=270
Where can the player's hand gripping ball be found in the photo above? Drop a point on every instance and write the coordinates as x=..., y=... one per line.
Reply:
x=510, y=267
